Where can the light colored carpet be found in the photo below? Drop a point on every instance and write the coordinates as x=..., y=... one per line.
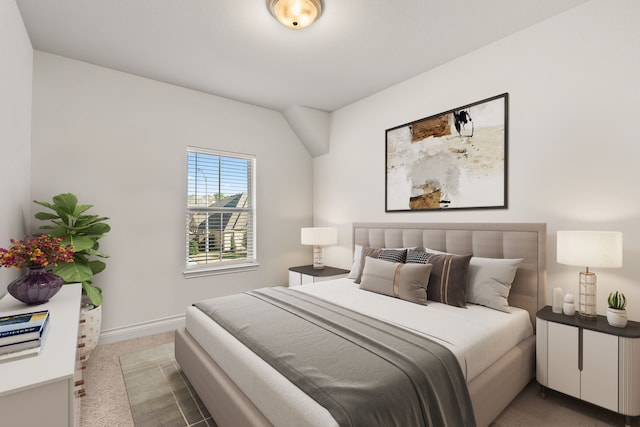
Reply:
x=106, y=403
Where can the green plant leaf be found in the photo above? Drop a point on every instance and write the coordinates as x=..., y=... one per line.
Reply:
x=80, y=209
x=43, y=216
x=96, y=253
x=98, y=229
x=59, y=231
x=66, y=203
x=45, y=204
x=97, y=266
x=80, y=243
x=94, y=293
x=73, y=272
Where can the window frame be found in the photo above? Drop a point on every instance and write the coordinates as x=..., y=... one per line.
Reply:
x=212, y=268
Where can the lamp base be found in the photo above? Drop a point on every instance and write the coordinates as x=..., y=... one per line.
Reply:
x=587, y=300
x=584, y=316
x=318, y=262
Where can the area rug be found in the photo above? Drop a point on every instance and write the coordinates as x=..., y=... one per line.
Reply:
x=159, y=393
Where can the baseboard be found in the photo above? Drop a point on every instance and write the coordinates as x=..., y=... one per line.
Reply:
x=143, y=329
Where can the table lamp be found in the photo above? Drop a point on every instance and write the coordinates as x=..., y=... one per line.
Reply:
x=589, y=249
x=318, y=236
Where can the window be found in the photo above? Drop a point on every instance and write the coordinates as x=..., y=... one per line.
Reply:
x=220, y=211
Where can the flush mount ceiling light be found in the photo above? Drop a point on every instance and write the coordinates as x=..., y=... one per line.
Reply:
x=295, y=14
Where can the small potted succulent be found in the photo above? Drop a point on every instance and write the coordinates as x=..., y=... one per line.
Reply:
x=616, y=312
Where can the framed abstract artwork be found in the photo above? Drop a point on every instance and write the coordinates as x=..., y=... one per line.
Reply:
x=452, y=160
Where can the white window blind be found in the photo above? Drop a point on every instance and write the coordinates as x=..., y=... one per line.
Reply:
x=220, y=210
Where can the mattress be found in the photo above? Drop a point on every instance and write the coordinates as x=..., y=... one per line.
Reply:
x=476, y=335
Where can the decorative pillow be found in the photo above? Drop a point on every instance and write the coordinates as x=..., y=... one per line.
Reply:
x=366, y=253
x=490, y=281
x=404, y=281
x=449, y=279
x=393, y=255
x=360, y=253
x=417, y=257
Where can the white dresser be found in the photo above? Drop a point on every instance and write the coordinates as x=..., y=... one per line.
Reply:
x=42, y=390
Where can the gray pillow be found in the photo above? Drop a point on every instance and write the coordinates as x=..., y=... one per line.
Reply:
x=449, y=279
x=404, y=281
x=366, y=253
x=490, y=281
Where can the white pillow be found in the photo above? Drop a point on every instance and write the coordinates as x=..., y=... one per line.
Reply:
x=435, y=251
x=357, y=260
x=490, y=281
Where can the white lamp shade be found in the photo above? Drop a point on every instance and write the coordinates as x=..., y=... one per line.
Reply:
x=590, y=248
x=319, y=236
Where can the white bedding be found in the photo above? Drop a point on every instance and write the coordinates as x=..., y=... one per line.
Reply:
x=477, y=336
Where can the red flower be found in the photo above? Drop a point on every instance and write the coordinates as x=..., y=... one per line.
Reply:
x=37, y=251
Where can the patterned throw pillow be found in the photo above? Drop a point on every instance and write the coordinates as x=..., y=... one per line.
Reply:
x=387, y=254
x=448, y=279
x=393, y=255
x=417, y=257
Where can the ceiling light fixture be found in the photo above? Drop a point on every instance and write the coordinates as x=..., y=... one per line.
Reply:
x=295, y=14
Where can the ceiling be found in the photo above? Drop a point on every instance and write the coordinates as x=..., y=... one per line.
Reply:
x=236, y=49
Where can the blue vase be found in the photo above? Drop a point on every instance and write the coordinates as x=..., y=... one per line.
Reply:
x=36, y=287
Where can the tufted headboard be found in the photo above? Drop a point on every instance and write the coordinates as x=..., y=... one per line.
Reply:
x=489, y=240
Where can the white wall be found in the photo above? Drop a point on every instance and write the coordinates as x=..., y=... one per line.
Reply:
x=574, y=150
x=16, y=66
x=119, y=142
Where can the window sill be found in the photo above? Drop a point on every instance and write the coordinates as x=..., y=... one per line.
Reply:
x=213, y=271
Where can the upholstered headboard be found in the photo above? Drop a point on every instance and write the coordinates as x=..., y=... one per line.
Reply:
x=490, y=240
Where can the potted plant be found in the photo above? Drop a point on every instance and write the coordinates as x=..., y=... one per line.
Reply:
x=36, y=254
x=616, y=312
x=69, y=221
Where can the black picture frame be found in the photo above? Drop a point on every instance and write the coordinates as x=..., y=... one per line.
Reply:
x=452, y=160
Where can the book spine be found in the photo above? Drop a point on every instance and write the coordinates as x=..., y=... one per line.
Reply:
x=19, y=331
x=23, y=318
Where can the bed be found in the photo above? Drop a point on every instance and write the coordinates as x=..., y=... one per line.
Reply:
x=241, y=390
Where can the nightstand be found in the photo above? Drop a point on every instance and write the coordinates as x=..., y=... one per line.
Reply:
x=590, y=360
x=307, y=274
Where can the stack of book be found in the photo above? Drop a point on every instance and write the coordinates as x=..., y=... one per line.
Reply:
x=22, y=335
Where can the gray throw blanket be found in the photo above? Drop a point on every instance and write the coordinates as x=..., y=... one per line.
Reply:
x=364, y=371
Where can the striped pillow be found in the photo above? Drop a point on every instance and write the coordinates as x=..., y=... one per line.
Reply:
x=404, y=281
x=448, y=279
